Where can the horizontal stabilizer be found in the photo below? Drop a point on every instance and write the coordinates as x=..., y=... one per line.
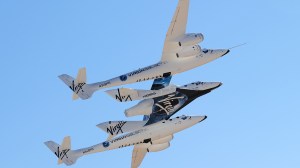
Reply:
x=114, y=128
x=125, y=94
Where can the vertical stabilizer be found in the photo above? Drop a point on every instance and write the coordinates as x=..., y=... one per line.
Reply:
x=78, y=85
x=63, y=152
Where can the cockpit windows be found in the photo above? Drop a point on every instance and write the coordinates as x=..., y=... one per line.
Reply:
x=184, y=117
x=105, y=144
x=123, y=77
x=204, y=50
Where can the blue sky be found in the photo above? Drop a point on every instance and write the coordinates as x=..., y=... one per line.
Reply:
x=253, y=119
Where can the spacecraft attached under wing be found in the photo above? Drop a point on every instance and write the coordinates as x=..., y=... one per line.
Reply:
x=167, y=99
x=125, y=94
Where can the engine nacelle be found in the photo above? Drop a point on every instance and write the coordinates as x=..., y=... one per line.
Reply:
x=142, y=108
x=158, y=147
x=189, y=51
x=191, y=39
x=163, y=140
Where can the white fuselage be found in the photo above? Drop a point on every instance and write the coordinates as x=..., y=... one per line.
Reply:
x=161, y=69
x=144, y=135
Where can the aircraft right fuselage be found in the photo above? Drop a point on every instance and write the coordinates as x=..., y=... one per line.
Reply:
x=144, y=136
x=174, y=65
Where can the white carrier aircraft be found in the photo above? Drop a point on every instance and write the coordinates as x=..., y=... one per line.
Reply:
x=181, y=53
x=149, y=138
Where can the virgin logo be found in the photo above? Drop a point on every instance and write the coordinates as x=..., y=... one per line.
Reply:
x=77, y=88
x=168, y=103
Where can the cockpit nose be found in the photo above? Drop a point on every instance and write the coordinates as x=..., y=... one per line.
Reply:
x=219, y=84
x=199, y=118
x=225, y=52
x=214, y=54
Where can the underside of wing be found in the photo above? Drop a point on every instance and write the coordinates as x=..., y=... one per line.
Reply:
x=177, y=28
x=140, y=150
x=138, y=154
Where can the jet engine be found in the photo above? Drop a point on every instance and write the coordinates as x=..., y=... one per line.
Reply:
x=191, y=39
x=163, y=140
x=189, y=51
x=158, y=147
x=142, y=108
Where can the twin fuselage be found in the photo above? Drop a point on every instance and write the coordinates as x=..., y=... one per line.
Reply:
x=162, y=128
x=146, y=134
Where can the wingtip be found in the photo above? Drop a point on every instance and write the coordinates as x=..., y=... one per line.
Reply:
x=62, y=76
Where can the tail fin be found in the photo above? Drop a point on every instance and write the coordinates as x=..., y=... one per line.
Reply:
x=63, y=152
x=78, y=85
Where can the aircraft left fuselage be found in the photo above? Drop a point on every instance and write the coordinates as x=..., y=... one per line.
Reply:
x=155, y=71
x=181, y=52
x=162, y=69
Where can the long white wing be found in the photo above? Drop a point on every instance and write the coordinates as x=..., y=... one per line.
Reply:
x=176, y=29
x=138, y=154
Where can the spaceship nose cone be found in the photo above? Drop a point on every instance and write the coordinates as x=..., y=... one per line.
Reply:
x=213, y=85
x=219, y=84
